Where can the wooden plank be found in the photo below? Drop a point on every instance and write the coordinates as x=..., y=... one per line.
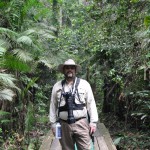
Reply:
x=106, y=135
x=97, y=132
x=47, y=141
x=55, y=145
x=101, y=143
x=96, y=146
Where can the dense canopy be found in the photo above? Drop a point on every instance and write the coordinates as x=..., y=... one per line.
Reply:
x=109, y=39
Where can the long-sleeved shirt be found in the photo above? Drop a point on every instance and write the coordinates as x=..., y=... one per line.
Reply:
x=85, y=95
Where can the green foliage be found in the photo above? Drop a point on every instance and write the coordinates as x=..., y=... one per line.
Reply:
x=30, y=119
x=4, y=117
x=13, y=63
x=110, y=39
x=6, y=94
x=42, y=107
x=30, y=83
x=7, y=81
x=147, y=21
x=1, y=139
x=141, y=107
x=137, y=140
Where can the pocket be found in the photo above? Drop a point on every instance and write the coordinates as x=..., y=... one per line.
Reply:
x=60, y=99
x=83, y=123
x=58, y=95
x=81, y=95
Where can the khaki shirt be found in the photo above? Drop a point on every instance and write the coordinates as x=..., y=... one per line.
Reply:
x=86, y=96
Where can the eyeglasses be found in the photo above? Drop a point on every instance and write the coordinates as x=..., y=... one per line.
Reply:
x=69, y=67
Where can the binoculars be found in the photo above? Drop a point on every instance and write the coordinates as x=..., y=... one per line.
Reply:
x=69, y=97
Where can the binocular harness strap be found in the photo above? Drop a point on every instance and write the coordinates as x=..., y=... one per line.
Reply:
x=74, y=92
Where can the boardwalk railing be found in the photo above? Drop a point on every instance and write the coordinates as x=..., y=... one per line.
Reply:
x=102, y=140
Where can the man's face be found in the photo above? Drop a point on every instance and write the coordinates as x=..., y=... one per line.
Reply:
x=69, y=71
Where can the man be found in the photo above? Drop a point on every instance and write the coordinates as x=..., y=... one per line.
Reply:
x=72, y=101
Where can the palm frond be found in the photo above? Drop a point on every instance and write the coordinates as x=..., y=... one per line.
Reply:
x=23, y=55
x=14, y=63
x=44, y=33
x=52, y=60
x=2, y=51
x=7, y=80
x=45, y=26
x=9, y=32
x=46, y=62
x=6, y=94
x=29, y=32
x=25, y=40
x=4, y=43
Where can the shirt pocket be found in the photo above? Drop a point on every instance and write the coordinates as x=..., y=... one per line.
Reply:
x=58, y=95
x=60, y=98
x=80, y=96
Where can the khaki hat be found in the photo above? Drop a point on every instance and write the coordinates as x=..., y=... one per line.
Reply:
x=69, y=62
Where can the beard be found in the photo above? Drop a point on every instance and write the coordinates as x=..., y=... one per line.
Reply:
x=69, y=75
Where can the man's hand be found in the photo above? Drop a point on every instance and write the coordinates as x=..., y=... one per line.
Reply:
x=92, y=127
x=53, y=127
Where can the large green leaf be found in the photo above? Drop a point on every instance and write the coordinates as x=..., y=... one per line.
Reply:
x=117, y=140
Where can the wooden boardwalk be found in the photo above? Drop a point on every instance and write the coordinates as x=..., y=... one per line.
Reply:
x=102, y=140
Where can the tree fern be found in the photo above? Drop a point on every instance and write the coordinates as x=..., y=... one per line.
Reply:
x=25, y=40
x=13, y=63
x=46, y=62
x=23, y=55
x=7, y=80
x=2, y=50
x=8, y=32
x=6, y=94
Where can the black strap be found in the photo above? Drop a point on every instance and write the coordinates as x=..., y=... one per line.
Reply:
x=63, y=82
x=75, y=107
x=76, y=85
x=59, y=106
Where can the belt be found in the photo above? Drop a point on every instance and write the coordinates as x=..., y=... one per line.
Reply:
x=75, y=119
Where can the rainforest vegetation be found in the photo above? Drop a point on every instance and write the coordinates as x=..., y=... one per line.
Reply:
x=110, y=39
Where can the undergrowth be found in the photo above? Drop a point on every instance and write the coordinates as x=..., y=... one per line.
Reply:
x=126, y=136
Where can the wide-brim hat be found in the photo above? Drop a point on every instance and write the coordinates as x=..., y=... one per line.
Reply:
x=69, y=62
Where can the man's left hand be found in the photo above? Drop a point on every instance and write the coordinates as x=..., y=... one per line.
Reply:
x=92, y=127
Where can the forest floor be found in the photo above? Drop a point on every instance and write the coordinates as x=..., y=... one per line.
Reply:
x=126, y=136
